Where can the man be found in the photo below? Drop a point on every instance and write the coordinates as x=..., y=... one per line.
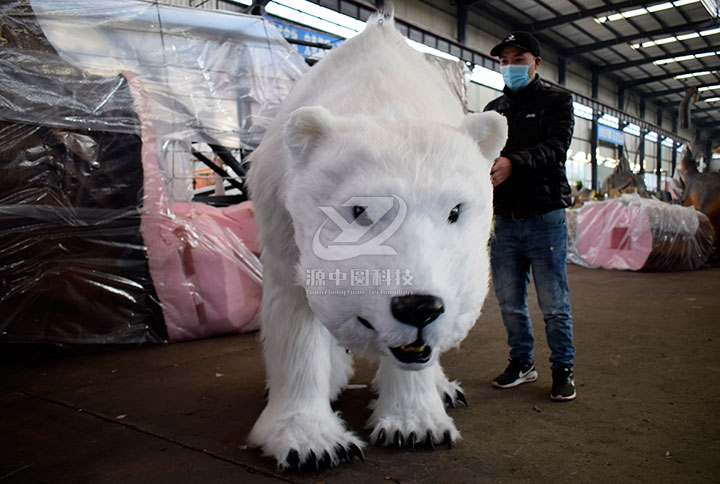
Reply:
x=531, y=192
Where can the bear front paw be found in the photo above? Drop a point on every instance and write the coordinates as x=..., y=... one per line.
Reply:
x=415, y=430
x=306, y=442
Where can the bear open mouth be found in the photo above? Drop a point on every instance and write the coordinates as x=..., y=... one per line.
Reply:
x=415, y=352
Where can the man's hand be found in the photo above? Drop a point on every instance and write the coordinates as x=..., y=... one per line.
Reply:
x=500, y=171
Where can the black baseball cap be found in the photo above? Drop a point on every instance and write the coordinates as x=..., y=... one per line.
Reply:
x=523, y=40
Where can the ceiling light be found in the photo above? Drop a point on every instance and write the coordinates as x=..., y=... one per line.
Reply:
x=708, y=88
x=693, y=74
x=692, y=35
x=712, y=99
x=645, y=10
x=661, y=6
x=635, y=13
x=667, y=40
x=683, y=58
x=315, y=16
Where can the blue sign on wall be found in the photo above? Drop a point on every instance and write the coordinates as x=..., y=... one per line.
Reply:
x=298, y=33
x=611, y=135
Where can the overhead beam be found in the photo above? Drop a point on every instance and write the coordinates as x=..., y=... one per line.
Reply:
x=709, y=124
x=676, y=90
x=649, y=60
x=590, y=12
x=662, y=77
x=705, y=110
x=689, y=27
x=462, y=13
x=693, y=110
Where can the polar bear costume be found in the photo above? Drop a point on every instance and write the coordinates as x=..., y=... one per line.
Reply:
x=373, y=199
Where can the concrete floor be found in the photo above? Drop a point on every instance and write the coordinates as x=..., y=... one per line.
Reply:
x=648, y=406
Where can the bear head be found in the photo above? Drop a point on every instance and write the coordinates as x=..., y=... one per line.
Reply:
x=392, y=220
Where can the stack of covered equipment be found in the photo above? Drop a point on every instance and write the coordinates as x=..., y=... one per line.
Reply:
x=634, y=233
x=100, y=103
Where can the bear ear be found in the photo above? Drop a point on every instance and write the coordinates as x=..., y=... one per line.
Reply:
x=489, y=130
x=305, y=128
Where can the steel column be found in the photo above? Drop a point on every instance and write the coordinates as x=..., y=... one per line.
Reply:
x=594, y=133
x=675, y=145
x=658, y=158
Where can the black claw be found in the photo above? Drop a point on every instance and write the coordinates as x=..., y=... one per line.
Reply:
x=429, y=440
x=381, y=437
x=448, y=440
x=461, y=398
x=411, y=440
x=325, y=462
x=342, y=453
x=449, y=401
x=293, y=459
x=398, y=440
x=356, y=451
x=310, y=463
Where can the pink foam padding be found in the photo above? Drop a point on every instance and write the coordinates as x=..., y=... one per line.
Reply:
x=243, y=217
x=613, y=235
x=226, y=299
x=193, y=254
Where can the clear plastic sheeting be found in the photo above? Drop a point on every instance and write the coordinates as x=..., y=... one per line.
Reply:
x=208, y=72
x=456, y=73
x=634, y=233
x=101, y=104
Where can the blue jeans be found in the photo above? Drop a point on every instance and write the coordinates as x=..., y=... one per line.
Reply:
x=538, y=244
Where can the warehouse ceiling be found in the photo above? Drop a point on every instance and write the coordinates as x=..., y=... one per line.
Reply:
x=653, y=49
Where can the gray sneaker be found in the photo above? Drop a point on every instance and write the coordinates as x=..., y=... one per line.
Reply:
x=515, y=374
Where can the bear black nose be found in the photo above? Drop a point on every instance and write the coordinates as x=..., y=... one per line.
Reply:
x=417, y=309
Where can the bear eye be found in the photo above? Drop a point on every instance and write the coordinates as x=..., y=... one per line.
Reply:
x=454, y=213
x=361, y=216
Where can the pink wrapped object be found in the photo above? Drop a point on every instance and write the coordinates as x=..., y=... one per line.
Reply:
x=203, y=259
x=632, y=233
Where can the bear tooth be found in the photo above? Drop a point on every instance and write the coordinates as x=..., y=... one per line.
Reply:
x=414, y=349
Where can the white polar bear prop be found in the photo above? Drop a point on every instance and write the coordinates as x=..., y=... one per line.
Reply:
x=373, y=200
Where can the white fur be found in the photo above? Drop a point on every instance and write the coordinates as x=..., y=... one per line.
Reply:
x=371, y=119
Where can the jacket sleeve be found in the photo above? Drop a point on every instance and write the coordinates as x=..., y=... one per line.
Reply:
x=544, y=156
x=492, y=105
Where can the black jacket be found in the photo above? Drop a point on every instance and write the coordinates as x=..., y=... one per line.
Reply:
x=540, y=128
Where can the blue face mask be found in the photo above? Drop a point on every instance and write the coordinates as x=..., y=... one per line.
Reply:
x=515, y=76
